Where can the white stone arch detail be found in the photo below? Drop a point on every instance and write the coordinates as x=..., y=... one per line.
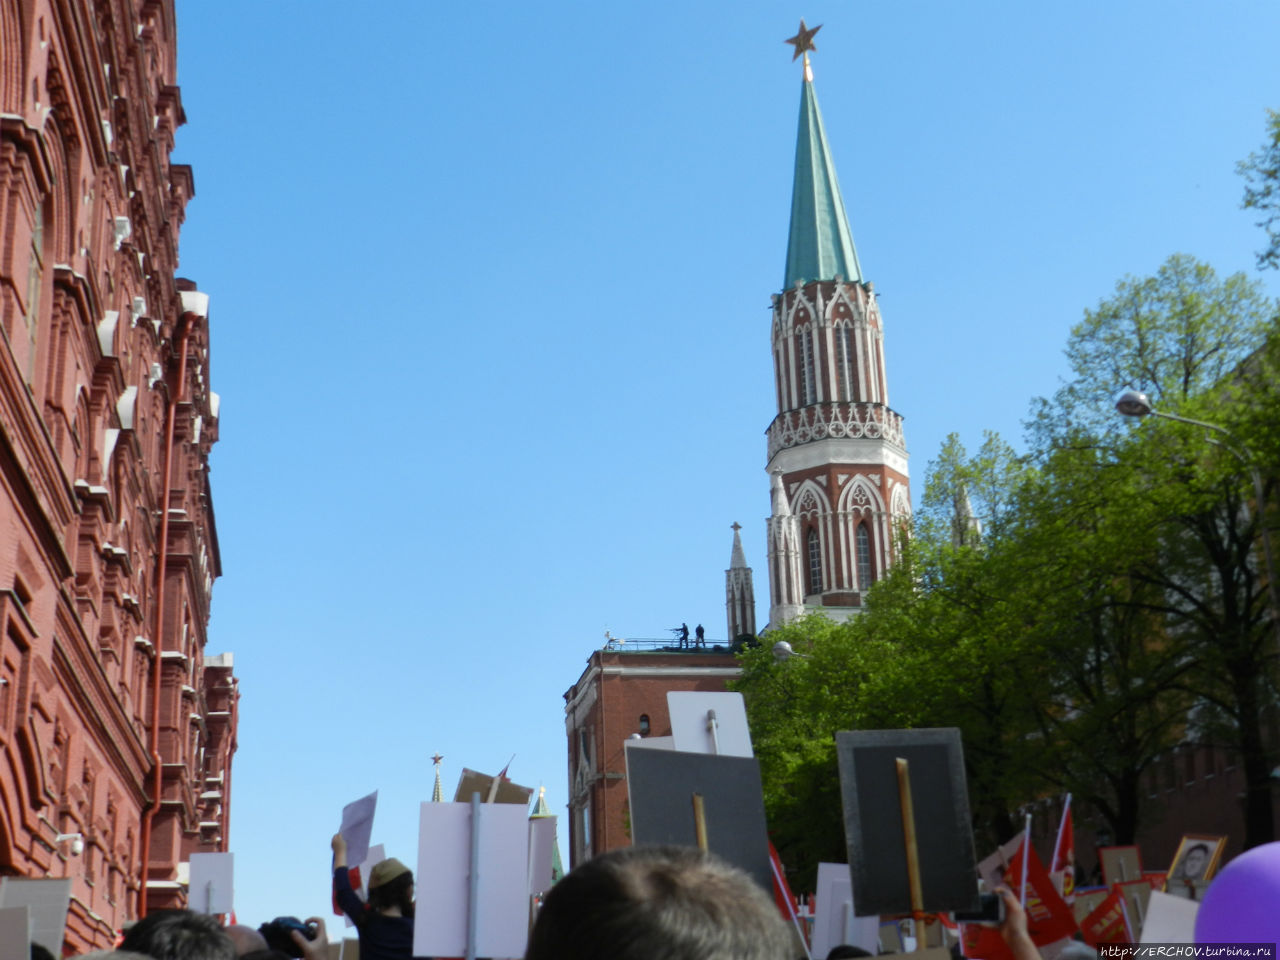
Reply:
x=821, y=503
x=811, y=507
x=842, y=296
x=900, y=502
x=852, y=497
x=793, y=305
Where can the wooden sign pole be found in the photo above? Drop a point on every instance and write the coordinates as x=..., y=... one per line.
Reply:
x=700, y=822
x=913, y=851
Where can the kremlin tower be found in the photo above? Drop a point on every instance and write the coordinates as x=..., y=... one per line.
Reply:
x=836, y=455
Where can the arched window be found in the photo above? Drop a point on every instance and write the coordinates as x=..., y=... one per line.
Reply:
x=815, y=562
x=844, y=361
x=644, y=725
x=862, y=543
x=808, y=380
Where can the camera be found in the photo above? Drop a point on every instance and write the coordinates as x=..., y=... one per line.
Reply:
x=276, y=933
x=990, y=910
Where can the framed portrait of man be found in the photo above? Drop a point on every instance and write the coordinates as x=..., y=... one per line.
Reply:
x=1194, y=865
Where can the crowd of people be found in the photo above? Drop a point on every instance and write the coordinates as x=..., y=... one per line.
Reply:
x=635, y=903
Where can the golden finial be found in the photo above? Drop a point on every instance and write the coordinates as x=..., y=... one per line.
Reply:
x=803, y=43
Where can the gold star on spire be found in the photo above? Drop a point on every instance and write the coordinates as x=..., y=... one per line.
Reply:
x=803, y=42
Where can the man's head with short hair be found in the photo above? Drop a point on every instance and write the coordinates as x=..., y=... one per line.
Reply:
x=179, y=935
x=672, y=902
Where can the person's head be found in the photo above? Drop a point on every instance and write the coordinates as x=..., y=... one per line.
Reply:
x=247, y=940
x=1194, y=860
x=846, y=951
x=671, y=902
x=40, y=952
x=391, y=887
x=179, y=935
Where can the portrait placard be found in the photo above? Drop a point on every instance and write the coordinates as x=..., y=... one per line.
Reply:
x=873, y=819
x=661, y=785
x=444, y=868
x=47, y=899
x=1169, y=919
x=1120, y=864
x=15, y=933
x=506, y=792
x=692, y=712
x=211, y=887
x=357, y=827
x=835, y=919
x=1136, y=894
x=1194, y=864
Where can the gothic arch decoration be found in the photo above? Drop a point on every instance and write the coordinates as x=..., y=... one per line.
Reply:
x=861, y=497
x=790, y=307
x=842, y=307
x=810, y=502
x=899, y=503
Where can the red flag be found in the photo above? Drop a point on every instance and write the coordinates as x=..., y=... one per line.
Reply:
x=1049, y=919
x=1064, y=856
x=1107, y=921
x=782, y=894
x=980, y=941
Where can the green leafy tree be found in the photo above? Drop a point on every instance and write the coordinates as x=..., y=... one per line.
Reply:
x=1262, y=190
x=1185, y=338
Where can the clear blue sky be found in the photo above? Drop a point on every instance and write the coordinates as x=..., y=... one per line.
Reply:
x=490, y=289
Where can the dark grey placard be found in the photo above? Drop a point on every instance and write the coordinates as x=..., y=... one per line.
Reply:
x=873, y=819
x=661, y=785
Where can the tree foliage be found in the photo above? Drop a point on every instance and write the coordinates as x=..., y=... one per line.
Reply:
x=1262, y=190
x=1077, y=611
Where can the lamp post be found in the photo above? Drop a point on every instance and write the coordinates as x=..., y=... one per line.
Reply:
x=1135, y=403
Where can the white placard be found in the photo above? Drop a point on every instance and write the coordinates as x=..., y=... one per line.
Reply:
x=444, y=866
x=376, y=855
x=47, y=900
x=357, y=827
x=542, y=840
x=15, y=934
x=691, y=727
x=835, y=921
x=212, y=883
x=1170, y=919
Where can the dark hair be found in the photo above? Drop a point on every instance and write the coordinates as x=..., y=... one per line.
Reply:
x=672, y=902
x=40, y=952
x=846, y=951
x=397, y=892
x=179, y=935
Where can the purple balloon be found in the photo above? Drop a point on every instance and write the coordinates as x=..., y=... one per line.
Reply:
x=1240, y=904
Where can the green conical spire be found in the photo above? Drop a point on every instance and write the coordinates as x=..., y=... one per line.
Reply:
x=821, y=243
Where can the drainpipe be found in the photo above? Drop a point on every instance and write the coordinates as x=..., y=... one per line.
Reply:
x=195, y=308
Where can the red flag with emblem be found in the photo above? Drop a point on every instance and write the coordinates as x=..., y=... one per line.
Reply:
x=1063, y=869
x=1107, y=921
x=1049, y=919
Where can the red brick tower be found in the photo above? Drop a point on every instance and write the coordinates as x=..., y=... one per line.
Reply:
x=836, y=453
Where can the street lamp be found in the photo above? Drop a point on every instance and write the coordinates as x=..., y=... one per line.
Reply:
x=1135, y=403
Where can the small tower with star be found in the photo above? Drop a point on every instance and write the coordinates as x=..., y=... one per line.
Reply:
x=836, y=454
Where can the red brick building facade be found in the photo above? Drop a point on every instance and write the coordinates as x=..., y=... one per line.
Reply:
x=114, y=725
x=623, y=692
